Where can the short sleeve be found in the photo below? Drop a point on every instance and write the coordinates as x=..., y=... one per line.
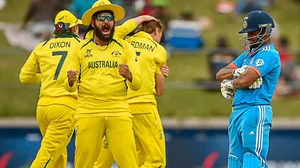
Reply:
x=264, y=62
x=238, y=62
x=160, y=59
x=125, y=28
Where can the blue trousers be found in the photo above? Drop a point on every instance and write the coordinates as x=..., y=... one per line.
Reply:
x=249, y=128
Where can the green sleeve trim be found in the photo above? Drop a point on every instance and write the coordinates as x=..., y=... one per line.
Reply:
x=86, y=43
x=117, y=43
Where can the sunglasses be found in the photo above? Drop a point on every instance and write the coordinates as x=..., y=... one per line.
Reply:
x=102, y=17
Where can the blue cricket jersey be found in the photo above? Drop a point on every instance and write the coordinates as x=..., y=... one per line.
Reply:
x=266, y=62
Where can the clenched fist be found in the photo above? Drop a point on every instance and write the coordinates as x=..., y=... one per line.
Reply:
x=72, y=77
x=165, y=70
x=125, y=72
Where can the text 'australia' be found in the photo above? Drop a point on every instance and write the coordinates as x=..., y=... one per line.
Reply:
x=103, y=64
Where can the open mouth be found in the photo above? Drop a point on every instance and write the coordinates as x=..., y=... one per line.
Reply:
x=105, y=29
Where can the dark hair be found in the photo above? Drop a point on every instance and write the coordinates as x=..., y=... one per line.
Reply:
x=90, y=27
x=70, y=30
x=150, y=26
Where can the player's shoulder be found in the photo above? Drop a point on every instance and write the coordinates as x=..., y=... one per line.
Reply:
x=121, y=42
x=43, y=43
x=269, y=51
x=61, y=41
x=243, y=55
x=161, y=48
x=83, y=43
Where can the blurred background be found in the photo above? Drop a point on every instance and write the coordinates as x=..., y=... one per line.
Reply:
x=200, y=37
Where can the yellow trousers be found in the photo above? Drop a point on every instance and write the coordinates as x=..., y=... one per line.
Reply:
x=149, y=138
x=119, y=134
x=56, y=123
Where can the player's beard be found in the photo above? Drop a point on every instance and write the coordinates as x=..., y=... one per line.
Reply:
x=98, y=33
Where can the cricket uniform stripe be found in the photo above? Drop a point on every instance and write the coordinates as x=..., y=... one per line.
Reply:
x=260, y=132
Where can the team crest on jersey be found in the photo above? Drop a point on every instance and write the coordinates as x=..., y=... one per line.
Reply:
x=259, y=62
x=88, y=53
x=116, y=53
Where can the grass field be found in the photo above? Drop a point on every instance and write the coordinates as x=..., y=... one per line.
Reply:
x=20, y=100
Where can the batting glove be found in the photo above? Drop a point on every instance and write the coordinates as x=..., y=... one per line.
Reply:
x=227, y=89
x=228, y=84
x=256, y=84
x=239, y=71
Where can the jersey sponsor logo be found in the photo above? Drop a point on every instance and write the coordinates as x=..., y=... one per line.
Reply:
x=60, y=44
x=88, y=53
x=116, y=53
x=103, y=64
x=137, y=44
x=259, y=62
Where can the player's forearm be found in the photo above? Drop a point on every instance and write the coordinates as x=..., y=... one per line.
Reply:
x=70, y=88
x=37, y=79
x=225, y=73
x=126, y=28
x=136, y=82
x=159, y=84
x=30, y=78
x=241, y=82
x=140, y=19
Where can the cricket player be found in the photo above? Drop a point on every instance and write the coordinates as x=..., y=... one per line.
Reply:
x=253, y=76
x=103, y=68
x=147, y=126
x=47, y=64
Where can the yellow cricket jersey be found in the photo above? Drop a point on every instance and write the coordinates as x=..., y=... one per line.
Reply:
x=47, y=65
x=151, y=56
x=101, y=90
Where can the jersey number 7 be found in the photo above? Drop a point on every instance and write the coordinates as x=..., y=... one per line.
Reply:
x=61, y=62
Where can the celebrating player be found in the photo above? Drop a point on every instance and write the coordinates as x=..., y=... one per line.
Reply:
x=102, y=67
x=56, y=106
x=147, y=127
x=253, y=76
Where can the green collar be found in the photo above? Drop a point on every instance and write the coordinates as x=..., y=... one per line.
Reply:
x=65, y=35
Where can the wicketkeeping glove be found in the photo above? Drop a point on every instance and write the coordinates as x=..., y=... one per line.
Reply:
x=239, y=71
x=256, y=84
x=227, y=89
